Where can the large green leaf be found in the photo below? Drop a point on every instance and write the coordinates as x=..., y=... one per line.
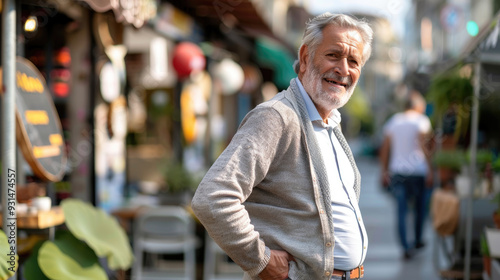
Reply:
x=31, y=269
x=59, y=266
x=75, y=248
x=70, y=246
x=100, y=231
x=8, y=263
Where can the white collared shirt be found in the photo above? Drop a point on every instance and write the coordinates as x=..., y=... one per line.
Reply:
x=351, y=240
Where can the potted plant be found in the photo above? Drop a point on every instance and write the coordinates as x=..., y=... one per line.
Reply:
x=93, y=246
x=180, y=184
x=450, y=93
x=452, y=159
x=484, y=158
x=484, y=161
x=9, y=261
x=449, y=163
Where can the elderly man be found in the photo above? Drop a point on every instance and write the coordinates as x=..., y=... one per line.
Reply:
x=282, y=199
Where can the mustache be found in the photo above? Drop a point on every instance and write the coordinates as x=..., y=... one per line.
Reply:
x=340, y=79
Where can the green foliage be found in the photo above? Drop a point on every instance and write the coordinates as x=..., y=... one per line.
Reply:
x=100, y=231
x=55, y=264
x=64, y=258
x=449, y=88
x=75, y=248
x=178, y=178
x=485, y=250
x=75, y=253
x=7, y=269
x=483, y=157
x=496, y=165
x=453, y=159
x=452, y=91
x=361, y=116
x=31, y=269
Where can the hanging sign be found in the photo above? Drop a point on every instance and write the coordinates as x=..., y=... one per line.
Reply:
x=38, y=129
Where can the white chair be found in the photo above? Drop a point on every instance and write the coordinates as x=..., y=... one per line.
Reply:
x=162, y=231
x=217, y=265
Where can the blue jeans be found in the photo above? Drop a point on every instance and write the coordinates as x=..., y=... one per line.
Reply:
x=408, y=189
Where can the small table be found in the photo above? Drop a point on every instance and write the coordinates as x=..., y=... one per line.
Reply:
x=41, y=220
x=126, y=216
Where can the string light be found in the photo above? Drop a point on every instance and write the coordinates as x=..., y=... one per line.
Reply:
x=31, y=24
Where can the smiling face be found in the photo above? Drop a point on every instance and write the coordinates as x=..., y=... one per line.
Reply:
x=332, y=74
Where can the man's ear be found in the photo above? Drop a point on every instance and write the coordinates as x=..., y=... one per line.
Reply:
x=303, y=58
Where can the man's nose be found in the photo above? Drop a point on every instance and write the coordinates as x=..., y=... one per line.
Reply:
x=342, y=67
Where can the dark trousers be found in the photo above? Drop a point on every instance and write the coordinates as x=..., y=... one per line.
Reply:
x=410, y=190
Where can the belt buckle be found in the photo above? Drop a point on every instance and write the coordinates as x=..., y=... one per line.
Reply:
x=347, y=274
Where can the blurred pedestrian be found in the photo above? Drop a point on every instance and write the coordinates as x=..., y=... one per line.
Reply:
x=406, y=166
x=288, y=178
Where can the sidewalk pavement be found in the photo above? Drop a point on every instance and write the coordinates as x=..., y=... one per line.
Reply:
x=384, y=260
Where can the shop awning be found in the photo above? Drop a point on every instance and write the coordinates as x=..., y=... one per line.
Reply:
x=277, y=58
x=244, y=15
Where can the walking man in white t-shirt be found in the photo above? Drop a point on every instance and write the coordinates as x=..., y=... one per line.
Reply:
x=406, y=167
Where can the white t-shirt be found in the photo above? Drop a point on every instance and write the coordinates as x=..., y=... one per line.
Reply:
x=406, y=156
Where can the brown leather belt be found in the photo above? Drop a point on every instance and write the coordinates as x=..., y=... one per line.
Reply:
x=356, y=273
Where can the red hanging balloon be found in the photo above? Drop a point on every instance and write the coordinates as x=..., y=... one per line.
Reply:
x=187, y=58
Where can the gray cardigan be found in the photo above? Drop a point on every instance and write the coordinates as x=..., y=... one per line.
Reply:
x=269, y=190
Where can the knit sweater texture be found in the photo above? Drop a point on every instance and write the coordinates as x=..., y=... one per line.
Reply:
x=269, y=190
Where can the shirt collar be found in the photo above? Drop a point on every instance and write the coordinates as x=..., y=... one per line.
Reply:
x=334, y=117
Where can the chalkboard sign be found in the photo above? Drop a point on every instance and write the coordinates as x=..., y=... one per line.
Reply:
x=38, y=130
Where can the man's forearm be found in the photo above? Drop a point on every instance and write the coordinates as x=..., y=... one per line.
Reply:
x=384, y=154
x=229, y=226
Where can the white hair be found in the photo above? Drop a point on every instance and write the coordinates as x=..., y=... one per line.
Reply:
x=313, y=34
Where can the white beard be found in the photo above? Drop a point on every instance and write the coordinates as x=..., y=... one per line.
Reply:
x=312, y=82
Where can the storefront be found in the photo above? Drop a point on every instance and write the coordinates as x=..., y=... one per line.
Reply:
x=43, y=41
x=105, y=64
x=75, y=46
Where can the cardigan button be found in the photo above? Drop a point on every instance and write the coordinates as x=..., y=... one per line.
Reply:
x=327, y=273
x=328, y=244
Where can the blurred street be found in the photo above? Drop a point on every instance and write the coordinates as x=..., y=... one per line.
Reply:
x=116, y=110
x=384, y=259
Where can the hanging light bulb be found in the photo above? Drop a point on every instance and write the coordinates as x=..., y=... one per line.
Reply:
x=31, y=24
